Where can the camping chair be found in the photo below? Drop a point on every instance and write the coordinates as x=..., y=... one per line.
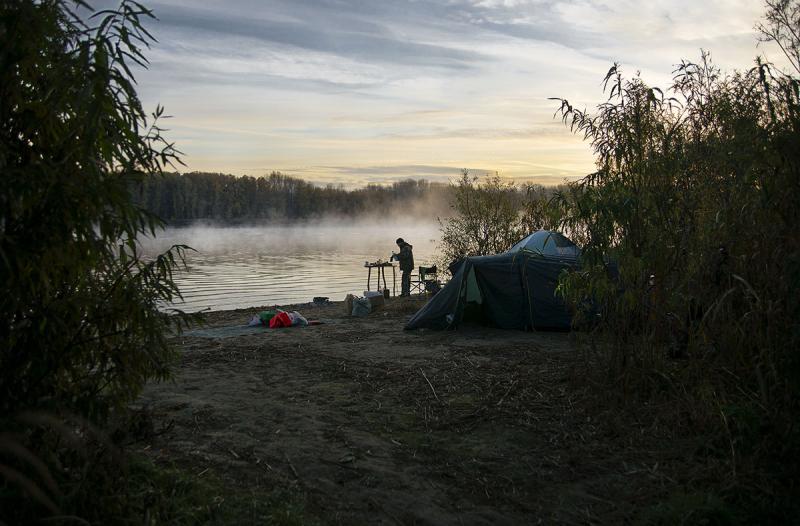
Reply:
x=425, y=280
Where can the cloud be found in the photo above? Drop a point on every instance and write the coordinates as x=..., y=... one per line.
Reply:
x=335, y=34
x=659, y=22
x=360, y=91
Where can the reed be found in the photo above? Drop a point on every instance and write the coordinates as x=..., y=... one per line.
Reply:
x=691, y=259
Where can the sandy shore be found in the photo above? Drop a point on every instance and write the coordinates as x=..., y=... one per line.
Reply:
x=368, y=423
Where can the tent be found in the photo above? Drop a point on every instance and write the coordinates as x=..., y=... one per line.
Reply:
x=511, y=290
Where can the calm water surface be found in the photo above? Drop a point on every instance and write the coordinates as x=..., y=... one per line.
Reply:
x=240, y=267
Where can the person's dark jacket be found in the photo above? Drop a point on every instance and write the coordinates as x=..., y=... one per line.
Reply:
x=406, y=257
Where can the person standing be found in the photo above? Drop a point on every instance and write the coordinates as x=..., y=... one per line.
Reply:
x=406, y=260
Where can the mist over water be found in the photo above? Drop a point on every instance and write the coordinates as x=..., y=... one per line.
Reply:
x=240, y=267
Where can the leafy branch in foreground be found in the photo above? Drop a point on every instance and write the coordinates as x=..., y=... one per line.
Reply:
x=81, y=329
x=696, y=197
x=781, y=23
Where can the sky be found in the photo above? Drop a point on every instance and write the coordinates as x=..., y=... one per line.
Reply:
x=373, y=91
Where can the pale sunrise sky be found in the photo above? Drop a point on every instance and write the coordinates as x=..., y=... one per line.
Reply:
x=352, y=92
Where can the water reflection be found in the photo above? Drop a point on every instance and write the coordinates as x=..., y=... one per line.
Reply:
x=239, y=267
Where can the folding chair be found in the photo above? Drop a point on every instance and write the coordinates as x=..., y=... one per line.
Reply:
x=425, y=280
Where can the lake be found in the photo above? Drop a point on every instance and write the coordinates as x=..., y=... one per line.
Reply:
x=240, y=267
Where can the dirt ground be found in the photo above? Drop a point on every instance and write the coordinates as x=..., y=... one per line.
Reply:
x=370, y=424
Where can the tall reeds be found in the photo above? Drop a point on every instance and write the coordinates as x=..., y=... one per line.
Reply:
x=696, y=205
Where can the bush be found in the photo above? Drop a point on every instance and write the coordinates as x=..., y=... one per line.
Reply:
x=490, y=215
x=80, y=325
x=697, y=198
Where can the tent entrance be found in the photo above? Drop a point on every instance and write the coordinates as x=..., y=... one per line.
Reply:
x=473, y=301
x=474, y=307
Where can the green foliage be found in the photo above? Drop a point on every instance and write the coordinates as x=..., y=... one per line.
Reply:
x=156, y=494
x=537, y=210
x=485, y=220
x=696, y=199
x=490, y=215
x=780, y=27
x=169, y=495
x=80, y=325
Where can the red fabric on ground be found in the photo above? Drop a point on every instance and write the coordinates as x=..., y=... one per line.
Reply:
x=281, y=319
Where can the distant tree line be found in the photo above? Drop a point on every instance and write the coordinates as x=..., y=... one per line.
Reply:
x=178, y=198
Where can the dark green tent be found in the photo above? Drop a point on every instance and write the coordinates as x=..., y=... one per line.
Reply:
x=512, y=290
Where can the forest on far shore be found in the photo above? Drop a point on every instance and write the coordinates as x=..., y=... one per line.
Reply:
x=179, y=198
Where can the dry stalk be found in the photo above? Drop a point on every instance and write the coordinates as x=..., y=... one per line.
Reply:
x=430, y=384
x=506, y=393
x=291, y=466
